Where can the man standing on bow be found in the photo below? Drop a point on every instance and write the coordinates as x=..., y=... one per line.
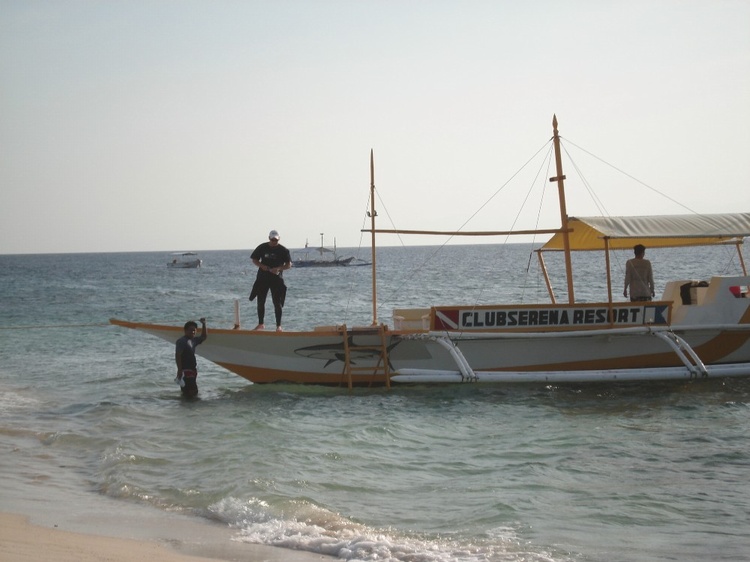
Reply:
x=272, y=259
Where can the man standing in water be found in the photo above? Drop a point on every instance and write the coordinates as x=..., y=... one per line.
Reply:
x=272, y=259
x=187, y=365
x=638, y=276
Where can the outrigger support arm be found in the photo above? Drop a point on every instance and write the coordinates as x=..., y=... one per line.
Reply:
x=467, y=373
x=683, y=350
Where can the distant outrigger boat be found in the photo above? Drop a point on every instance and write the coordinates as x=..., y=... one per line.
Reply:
x=184, y=260
x=700, y=332
x=305, y=261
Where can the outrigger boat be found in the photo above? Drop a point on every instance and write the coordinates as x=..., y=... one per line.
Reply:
x=690, y=332
x=305, y=261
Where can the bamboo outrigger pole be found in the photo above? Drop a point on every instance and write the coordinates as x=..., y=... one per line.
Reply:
x=373, y=214
x=560, y=179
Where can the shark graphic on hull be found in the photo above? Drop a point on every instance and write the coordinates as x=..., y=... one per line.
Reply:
x=331, y=353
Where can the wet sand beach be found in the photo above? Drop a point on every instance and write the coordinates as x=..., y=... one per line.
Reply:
x=42, y=518
x=22, y=541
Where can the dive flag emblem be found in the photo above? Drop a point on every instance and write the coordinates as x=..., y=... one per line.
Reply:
x=446, y=319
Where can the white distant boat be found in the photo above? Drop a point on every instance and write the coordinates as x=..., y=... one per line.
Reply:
x=184, y=260
x=694, y=330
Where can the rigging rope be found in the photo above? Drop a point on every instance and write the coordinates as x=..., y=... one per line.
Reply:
x=644, y=184
x=413, y=272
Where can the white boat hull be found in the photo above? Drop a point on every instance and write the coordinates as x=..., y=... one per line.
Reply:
x=319, y=357
x=192, y=264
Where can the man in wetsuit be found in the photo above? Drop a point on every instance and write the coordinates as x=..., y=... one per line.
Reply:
x=187, y=366
x=272, y=259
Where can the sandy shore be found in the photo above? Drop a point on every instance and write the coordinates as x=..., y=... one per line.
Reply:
x=20, y=541
x=50, y=514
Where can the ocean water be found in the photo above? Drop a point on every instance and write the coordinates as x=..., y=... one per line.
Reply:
x=631, y=472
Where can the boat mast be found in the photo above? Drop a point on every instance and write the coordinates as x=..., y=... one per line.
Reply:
x=373, y=214
x=560, y=179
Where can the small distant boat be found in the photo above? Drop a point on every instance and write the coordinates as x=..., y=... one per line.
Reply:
x=184, y=260
x=305, y=261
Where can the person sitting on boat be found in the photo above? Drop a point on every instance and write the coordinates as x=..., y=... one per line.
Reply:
x=272, y=259
x=187, y=365
x=639, y=276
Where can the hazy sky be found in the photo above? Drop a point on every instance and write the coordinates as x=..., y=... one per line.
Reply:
x=131, y=125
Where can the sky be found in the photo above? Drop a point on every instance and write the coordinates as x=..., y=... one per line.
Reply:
x=170, y=125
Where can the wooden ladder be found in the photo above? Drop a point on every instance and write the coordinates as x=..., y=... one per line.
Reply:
x=379, y=351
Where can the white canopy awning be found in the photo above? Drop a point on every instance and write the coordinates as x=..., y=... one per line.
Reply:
x=658, y=231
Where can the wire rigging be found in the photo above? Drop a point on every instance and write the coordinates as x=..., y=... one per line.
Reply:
x=594, y=197
x=644, y=184
x=430, y=256
x=502, y=187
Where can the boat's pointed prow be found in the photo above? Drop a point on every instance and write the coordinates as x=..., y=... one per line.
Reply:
x=121, y=323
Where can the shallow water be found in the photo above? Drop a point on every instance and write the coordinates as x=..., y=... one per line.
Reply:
x=463, y=473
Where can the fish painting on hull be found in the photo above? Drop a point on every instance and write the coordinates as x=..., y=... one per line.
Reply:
x=331, y=353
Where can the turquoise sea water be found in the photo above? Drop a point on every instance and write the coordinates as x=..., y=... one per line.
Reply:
x=415, y=474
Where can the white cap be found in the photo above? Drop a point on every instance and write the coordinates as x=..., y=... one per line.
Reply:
x=274, y=234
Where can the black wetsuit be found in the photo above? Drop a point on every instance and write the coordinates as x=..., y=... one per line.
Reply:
x=185, y=346
x=271, y=257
